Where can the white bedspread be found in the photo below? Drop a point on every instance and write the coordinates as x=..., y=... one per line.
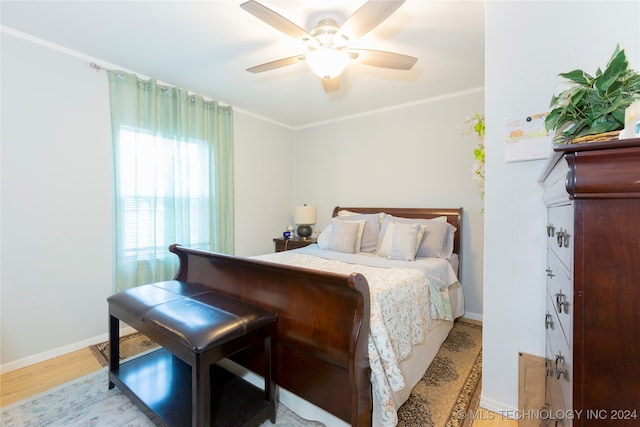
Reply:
x=405, y=298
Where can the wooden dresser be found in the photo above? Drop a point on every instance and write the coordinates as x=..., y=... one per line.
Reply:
x=592, y=319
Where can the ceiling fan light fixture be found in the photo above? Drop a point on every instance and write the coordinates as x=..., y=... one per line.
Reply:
x=327, y=63
x=325, y=33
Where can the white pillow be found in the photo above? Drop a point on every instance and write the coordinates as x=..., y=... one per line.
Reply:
x=345, y=212
x=323, y=238
x=369, y=240
x=387, y=240
x=345, y=236
x=437, y=240
x=405, y=241
x=380, y=215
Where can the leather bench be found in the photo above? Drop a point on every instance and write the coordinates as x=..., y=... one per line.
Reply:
x=200, y=327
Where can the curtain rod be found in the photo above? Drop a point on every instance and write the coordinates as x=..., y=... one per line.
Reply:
x=108, y=70
x=121, y=74
x=161, y=87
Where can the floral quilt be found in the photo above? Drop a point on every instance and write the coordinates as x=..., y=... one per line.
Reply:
x=403, y=303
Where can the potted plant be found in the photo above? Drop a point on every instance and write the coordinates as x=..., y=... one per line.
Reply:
x=594, y=105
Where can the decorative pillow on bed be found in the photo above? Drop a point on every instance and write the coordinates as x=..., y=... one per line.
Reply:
x=387, y=242
x=438, y=236
x=439, y=218
x=405, y=241
x=345, y=235
x=323, y=238
x=369, y=241
x=437, y=240
x=380, y=215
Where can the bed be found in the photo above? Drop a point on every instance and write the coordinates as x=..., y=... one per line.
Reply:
x=328, y=352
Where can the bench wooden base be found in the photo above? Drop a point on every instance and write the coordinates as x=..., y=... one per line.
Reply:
x=159, y=383
x=181, y=385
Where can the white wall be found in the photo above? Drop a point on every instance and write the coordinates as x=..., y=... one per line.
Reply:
x=56, y=200
x=57, y=225
x=414, y=156
x=264, y=183
x=527, y=45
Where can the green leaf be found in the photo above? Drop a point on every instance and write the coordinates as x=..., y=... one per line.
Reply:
x=618, y=62
x=551, y=121
x=577, y=76
x=601, y=126
x=577, y=95
x=618, y=115
x=615, y=70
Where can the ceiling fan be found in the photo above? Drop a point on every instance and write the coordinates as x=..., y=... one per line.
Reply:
x=328, y=52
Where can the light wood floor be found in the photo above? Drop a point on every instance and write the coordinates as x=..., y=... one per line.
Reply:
x=31, y=380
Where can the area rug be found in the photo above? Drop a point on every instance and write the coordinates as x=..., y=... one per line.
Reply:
x=445, y=394
x=442, y=398
x=130, y=345
x=87, y=401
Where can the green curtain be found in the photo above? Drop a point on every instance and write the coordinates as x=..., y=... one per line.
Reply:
x=173, y=170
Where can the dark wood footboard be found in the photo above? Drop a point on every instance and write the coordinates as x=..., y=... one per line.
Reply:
x=322, y=328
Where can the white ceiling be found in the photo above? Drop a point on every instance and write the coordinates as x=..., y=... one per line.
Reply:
x=205, y=46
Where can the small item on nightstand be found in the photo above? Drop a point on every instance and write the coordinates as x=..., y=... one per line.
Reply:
x=288, y=234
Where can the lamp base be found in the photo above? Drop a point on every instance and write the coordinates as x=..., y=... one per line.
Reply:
x=304, y=231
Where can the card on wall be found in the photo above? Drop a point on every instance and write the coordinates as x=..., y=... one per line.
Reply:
x=526, y=138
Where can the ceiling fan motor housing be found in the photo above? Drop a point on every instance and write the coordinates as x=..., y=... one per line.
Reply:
x=325, y=33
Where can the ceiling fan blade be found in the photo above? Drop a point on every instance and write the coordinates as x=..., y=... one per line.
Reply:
x=276, y=64
x=382, y=59
x=274, y=19
x=331, y=85
x=369, y=16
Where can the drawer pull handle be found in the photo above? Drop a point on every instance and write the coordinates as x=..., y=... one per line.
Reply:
x=560, y=372
x=562, y=238
x=549, y=272
x=550, y=230
x=561, y=301
x=548, y=321
x=548, y=368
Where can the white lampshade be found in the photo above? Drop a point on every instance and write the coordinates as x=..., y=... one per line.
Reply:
x=327, y=63
x=305, y=215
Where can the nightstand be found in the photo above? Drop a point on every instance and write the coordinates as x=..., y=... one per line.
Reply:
x=285, y=245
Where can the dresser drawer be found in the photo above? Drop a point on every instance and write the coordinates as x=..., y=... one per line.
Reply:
x=560, y=295
x=559, y=360
x=560, y=233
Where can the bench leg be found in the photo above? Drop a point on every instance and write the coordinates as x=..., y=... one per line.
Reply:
x=200, y=393
x=269, y=387
x=114, y=345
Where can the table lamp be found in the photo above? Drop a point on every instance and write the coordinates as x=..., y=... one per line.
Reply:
x=304, y=216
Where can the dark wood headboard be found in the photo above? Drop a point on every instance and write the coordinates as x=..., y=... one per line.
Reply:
x=454, y=217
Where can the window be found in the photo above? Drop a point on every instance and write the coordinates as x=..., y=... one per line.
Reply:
x=163, y=188
x=173, y=171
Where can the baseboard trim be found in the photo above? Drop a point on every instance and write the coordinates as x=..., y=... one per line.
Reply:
x=499, y=408
x=472, y=316
x=60, y=351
